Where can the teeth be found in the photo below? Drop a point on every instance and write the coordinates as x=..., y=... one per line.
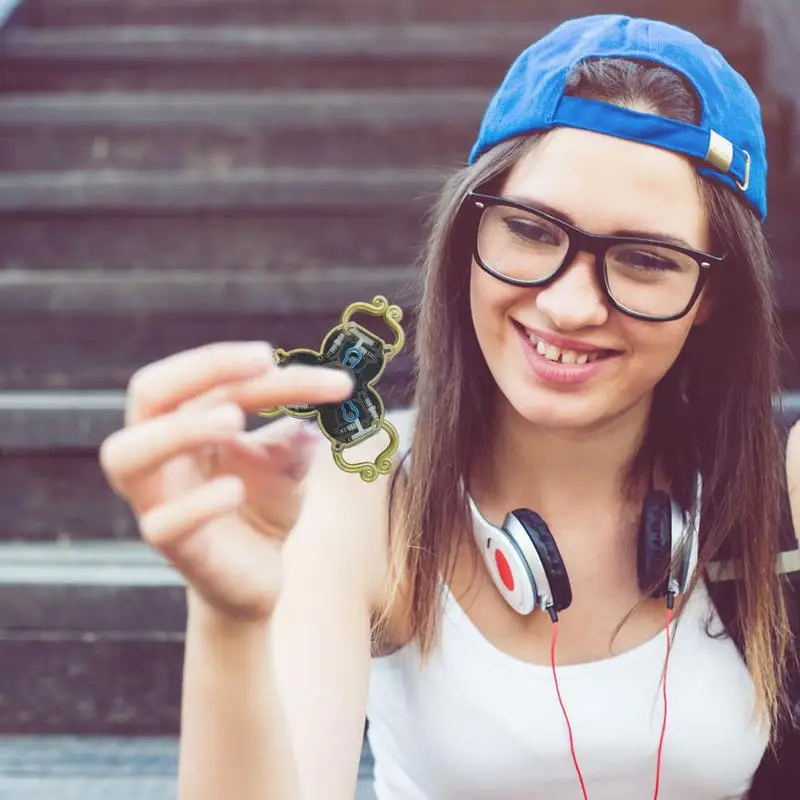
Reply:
x=553, y=353
x=569, y=357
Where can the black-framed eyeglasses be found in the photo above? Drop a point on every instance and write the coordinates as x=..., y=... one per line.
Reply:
x=644, y=278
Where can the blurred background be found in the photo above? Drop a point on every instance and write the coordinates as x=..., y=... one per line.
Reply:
x=174, y=172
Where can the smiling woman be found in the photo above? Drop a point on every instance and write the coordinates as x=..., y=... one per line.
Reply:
x=605, y=282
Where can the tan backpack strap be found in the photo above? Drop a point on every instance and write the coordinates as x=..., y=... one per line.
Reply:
x=787, y=562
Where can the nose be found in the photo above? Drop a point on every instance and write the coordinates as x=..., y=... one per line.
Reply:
x=575, y=299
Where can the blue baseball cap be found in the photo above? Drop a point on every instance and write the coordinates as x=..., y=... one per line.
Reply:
x=728, y=141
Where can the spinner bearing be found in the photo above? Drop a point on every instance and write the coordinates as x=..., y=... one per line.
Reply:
x=364, y=355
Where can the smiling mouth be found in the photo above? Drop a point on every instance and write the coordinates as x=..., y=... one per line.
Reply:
x=558, y=355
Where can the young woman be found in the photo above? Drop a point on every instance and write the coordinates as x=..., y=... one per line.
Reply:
x=596, y=354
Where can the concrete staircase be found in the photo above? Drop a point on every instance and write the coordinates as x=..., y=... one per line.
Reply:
x=174, y=172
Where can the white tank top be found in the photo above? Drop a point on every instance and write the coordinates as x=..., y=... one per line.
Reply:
x=477, y=724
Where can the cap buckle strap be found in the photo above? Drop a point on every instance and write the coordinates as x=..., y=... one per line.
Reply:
x=720, y=155
x=720, y=152
x=746, y=183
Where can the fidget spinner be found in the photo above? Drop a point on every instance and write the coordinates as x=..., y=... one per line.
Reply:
x=364, y=355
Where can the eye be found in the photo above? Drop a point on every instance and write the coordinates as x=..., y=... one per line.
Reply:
x=534, y=231
x=649, y=260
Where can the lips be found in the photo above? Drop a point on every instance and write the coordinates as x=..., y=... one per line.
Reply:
x=557, y=373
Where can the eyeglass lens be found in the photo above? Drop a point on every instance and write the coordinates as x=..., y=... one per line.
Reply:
x=646, y=279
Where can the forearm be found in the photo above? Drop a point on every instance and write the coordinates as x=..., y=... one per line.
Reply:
x=234, y=737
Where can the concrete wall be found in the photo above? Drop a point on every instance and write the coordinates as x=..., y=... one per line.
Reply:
x=780, y=21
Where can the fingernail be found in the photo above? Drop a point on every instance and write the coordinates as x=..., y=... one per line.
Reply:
x=257, y=353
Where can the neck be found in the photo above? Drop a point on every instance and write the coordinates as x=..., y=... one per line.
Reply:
x=547, y=469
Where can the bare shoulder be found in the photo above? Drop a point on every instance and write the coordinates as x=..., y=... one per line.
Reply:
x=793, y=449
x=793, y=475
x=344, y=522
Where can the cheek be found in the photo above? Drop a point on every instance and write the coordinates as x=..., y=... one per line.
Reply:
x=490, y=300
x=654, y=346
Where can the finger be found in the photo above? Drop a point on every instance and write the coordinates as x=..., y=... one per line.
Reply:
x=132, y=453
x=284, y=386
x=273, y=478
x=164, y=385
x=165, y=526
x=284, y=429
x=273, y=450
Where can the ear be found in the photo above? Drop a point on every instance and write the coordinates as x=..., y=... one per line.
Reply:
x=706, y=305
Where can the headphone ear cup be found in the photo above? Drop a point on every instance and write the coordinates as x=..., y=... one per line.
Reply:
x=510, y=571
x=549, y=555
x=654, y=552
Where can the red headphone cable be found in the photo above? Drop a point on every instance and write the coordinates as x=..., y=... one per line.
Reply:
x=670, y=600
x=554, y=618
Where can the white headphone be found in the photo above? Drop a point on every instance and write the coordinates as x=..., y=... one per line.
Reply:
x=524, y=562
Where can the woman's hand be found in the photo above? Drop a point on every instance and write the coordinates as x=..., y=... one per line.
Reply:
x=216, y=501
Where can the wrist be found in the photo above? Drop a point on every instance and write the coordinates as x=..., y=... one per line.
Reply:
x=213, y=622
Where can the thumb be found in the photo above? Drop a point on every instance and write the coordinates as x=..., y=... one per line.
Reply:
x=286, y=446
x=282, y=429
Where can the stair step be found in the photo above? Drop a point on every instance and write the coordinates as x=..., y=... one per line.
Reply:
x=229, y=239
x=92, y=292
x=89, y=683
x=51, y=483
x=48, y=422
x=79, y=361
x=234, y=130
x=88, y=756
x=278, y=189
x=280, y=219
x=102, y=767
x=307, y=57
x=60, y=13
x=244, y=130
x=93, y=329
x=115, y=675
x=89, y=587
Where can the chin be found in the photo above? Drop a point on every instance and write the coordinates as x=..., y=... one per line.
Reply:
x=587, y=411
x=559, y=418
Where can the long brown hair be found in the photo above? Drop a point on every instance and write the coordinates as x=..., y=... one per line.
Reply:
x=712, y=411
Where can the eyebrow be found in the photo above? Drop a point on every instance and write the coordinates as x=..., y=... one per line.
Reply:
x=666, y=238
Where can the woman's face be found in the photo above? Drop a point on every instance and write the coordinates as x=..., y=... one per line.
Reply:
x=607, y=186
